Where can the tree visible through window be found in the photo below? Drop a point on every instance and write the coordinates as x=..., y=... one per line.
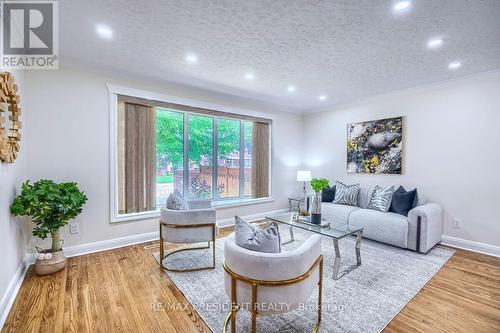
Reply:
x=232, y=161
x=228, y=169
x=169, y=153
x=201, y=129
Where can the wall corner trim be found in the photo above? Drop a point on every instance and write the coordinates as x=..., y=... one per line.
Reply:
x=465, y=244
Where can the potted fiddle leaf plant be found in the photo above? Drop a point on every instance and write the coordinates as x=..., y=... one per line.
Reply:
x=317, y=184
x=51, y=206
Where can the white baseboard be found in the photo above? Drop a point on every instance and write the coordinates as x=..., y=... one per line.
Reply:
x=109, y=244
x=465, y=244
x=10, y=294
x=224, y=223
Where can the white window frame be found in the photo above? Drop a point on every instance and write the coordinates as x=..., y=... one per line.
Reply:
x=115, y=90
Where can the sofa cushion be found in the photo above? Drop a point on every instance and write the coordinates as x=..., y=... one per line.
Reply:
x=420, y=200
x=390, y=228
x=337, y=213
x=364, y=196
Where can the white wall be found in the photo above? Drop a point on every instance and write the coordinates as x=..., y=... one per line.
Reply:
x=451, y=149
x=69, y=141
x=12, y=230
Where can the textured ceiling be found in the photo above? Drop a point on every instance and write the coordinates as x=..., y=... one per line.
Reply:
x=344, y=49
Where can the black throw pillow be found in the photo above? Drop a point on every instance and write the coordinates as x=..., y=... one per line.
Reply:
x=403, y=201
x=328, y=194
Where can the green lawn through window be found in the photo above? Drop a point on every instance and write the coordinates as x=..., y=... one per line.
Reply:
x=165, y=179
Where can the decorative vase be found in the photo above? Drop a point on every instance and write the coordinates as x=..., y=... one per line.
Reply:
x=316, y=208
x=50, y=263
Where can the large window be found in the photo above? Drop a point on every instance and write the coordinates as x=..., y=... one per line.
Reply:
x=200, y=154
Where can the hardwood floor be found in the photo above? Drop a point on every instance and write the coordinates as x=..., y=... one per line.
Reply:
x=124, y=290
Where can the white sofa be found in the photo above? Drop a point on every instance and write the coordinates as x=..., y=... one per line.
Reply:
x=420, y=231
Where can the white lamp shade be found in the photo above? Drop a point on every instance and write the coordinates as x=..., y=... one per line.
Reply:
x=304, y=176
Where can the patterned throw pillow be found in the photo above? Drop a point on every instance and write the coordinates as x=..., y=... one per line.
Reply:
x=346, y=194
x=381, y=198
x=176, y=202
x=253, y=238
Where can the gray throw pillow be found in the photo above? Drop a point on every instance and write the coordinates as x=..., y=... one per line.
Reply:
x=253, y=238
x=381, y=198
x=346, y=194
x=176, y=202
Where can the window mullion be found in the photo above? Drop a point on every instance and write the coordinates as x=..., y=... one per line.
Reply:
x=185, y=163
x=242, y=159
x=215, y=159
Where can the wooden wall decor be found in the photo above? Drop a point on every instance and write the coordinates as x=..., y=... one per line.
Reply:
x=9, y=118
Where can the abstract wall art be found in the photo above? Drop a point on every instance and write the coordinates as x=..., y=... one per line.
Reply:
x=375, y=146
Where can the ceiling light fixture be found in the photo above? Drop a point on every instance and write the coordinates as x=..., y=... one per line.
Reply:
x=322, y=97
x=291, y=88
x=249, y=76
x=192, y=58
x=435, y=43
x=454, y=65
x=401, y=6
x=104, y=31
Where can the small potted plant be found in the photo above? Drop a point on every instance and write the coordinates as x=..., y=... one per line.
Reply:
x=51, y=206
x=317, y=184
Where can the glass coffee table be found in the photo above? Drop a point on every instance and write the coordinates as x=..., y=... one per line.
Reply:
x=335, y=231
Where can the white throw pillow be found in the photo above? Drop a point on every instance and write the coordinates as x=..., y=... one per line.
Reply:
x=253, y=238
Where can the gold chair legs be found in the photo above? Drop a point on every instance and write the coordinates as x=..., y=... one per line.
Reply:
x=231, y=317
x=179, y=226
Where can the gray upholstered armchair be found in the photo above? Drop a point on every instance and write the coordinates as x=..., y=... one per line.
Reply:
x=196, y=225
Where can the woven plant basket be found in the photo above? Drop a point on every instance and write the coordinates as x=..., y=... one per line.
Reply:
x=52, y=265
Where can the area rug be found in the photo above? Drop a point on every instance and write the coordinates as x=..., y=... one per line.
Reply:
x=364, y=300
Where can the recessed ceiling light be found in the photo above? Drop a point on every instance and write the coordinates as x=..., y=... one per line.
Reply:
x=249, y=76
x=291, y=88
x=104, y=31
x=322, y=97
x=191, y=58
x=401, y=6
x=454, y=65
x=435, y=43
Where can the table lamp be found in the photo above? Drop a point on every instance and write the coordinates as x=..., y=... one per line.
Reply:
x=304, y=176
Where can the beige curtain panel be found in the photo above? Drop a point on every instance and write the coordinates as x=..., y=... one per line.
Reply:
x=136, y=158
x=260, y=161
